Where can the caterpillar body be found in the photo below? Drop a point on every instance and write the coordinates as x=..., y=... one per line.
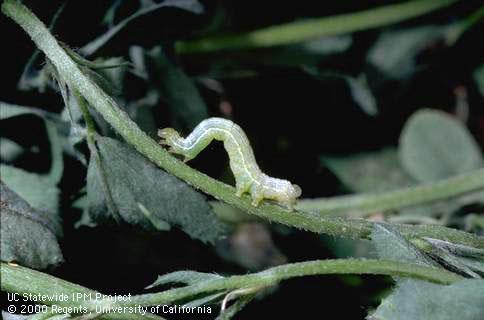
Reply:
x=248, y=176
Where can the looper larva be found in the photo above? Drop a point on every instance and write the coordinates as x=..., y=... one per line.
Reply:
x=249, y=178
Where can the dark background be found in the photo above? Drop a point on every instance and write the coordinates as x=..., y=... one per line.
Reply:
x=291, y=118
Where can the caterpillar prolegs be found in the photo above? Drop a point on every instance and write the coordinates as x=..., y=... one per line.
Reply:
x=249, y=178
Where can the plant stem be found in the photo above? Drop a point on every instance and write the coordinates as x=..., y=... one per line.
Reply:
x=120, y=121
x=305, y=30
x=90, y=127
x=23, y=280
x=91, y=134
x=364, y=204
x=318, y=267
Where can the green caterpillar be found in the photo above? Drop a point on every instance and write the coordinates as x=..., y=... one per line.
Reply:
x=248, y=176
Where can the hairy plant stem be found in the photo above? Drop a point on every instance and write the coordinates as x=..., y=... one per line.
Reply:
x=319, y=267
x=120, y=121
x=311, y=29
x=24, y=281
x=361, y=205
x=91, y=142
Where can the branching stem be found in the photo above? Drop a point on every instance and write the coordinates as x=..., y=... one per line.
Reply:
x=120, y=121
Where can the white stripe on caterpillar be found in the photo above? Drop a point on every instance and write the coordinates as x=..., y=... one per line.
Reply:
x=249, y=178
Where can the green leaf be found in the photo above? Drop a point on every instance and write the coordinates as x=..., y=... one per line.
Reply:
x=434, y=146
x=178, y=90
x=185, y=277
x=191, y=278
x=457, y=249
x=395, y=52
x=463, y=259
x=419, y=300
x=39, y=190
x=453, y=262
x=369, y=172
x=473, y=264
x=361, y=93
x=8, y=110
x=415, y=299
x=28, y=235
x=391, y=245
x=231, y=311
x=36, y=189
x=144, y=195
x=9, y=150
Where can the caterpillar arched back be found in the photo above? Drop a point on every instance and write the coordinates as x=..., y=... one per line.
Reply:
x=249, y=178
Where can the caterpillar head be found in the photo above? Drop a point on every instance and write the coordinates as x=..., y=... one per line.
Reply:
x=281, y=190
x=290, y=195
x=296, y=191
x=168, y=136
x=293, y=191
